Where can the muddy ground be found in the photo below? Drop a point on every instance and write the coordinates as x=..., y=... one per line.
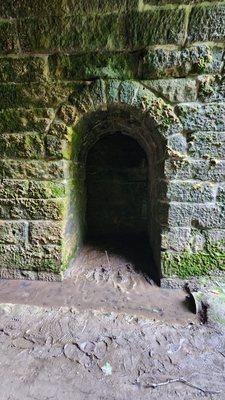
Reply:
x=105, y=333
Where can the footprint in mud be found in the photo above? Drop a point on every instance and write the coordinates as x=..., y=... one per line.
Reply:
x=99, y=274
x=122, y=276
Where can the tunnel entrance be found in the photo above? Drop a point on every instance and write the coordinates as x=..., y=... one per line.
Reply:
x=117, y=212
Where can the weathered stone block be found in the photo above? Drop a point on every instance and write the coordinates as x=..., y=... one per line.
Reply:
x=158, y=26
x=21, y=119
x=207, y=145
x=191, y=191
x=13, y=232
x=42, y=170
x=177, y=145
x=221, y=193
x=179, y=63
x=206, y=23
x=199, y=216
x=31, y=209
x=166, y=2
x=98, y=6
x=40, y=34
x=211, y=88
x=94, y=32
x=207, y=117
x=54, y=147
x=46, y=232
x=8, y=37
x=176, y=239
x=33, y=258
x=82, y=33
x=29, y=145
x=89, y=66
x=23, y=69
x=174, y=90
x=204, y=170
x=26, y=8
x=176, y=168
x=36, y=95
x=46, y=190
x=211, y=170
x=216, y=235
x=10, y=189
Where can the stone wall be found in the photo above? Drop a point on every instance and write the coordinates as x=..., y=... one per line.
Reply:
x=67, y=66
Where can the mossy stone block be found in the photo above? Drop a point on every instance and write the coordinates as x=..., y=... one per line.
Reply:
x=94, y=33
x=28, y=8
x=167, y=2
x=158, y=26
x=207, y=23
x=206, y=262
x=40, y=34
x=8, y=37
x=32, y=258
x=96, y=6
x=35, y=209
x=22, y=119
x=12, y=189
x=36, y=95
x=27, y=146
x=12, y=232
x=193, y=60
x=23, y=169
x=48, y=232
x=23, y=69
x=90, y=66
x=46, y=190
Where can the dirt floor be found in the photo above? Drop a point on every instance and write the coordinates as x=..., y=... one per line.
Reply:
x=105, y=333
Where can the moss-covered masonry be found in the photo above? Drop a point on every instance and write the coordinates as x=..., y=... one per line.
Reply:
x=69, y=66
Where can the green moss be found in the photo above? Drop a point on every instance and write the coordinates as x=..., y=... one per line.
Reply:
x=8, y=37
x=89, y=66
x=188, y=264
x=56, y=190
x=50, y=266
x=20, y=120
x=38, y=94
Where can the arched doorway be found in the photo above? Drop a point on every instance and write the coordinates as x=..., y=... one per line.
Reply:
x=111, y=132
x=116, y=181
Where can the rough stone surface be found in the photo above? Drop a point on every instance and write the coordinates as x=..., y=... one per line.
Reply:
x=207, y=23
x=73, y=71
x=193, y=60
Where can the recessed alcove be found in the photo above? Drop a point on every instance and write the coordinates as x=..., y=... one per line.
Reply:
x=114, y=208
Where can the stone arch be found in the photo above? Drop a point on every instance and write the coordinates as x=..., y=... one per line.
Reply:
x=98, y=108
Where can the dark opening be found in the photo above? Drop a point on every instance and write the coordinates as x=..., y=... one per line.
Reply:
x=116, y=187
x=117, y=199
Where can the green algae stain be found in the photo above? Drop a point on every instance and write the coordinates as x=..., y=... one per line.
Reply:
x=188, y=264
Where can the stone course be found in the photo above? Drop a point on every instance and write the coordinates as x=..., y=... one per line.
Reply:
x=73, y=70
